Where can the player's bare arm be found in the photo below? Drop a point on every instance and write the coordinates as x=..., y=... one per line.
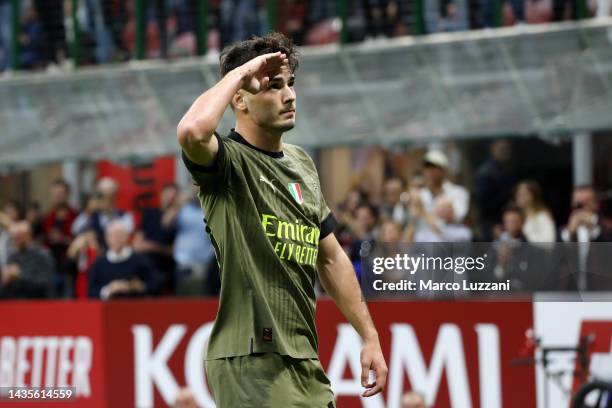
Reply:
x=338, y=278
x=196, y=128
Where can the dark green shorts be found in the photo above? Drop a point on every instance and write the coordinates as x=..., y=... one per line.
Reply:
x=268, y=380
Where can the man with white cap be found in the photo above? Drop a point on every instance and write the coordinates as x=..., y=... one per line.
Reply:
x=437, y=185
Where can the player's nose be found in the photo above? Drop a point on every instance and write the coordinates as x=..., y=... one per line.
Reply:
x=288, y=95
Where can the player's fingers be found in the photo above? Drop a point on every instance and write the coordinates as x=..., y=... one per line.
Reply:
x=381, y=376
x=365, y=372
x=273, y=56
x=372, y=391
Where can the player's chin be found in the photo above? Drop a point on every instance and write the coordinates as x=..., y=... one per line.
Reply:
x=286, y=125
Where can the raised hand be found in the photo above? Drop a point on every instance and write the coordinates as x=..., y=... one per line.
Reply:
x=258, y=71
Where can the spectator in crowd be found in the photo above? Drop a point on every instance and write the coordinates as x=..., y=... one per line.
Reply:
x=584, y=223
x=413, y=399
x=390, y=232
x=241, y=19
x=57, y=223
x=51, y=13
x=345, y=211
x=440, y=225
x=513, y=225
x=389, y=244
x=196, y=266
x=512, y=12
x=354, y=198
x=539, y=224
x=156, y=20
x=538, y=11
x=33, y=52
x=30, y=270
x=104, y=209
x=157, y=233
x=528, y=267
x=513, y=220
x=493, y=186
x=437, y=185
x=182, y=31
x=292, y=19
x=446, y=15
x=392, y=207
x=120, y=272
x=158, y=15
x=564, y=9
x=81, y=223
x=76, y=21
x=363, y=226
x=606, y=220
x=5, y=34
x=100, y=32
x=81, y=255
x=384, y=18
x=116, y=18
x=35, y=217
x=596, y=259
x=10, y=214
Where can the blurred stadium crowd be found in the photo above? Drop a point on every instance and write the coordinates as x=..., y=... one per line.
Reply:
x=106, y=29
x=101, y=251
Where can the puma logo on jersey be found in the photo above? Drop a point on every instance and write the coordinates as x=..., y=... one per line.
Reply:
x=268, y=182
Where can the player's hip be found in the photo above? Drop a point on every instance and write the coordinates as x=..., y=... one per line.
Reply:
x=268, y=380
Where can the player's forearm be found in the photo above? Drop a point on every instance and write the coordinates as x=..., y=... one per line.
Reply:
x=338, y=278
x=200, y=121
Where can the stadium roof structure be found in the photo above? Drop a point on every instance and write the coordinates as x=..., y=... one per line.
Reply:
x=553, y=79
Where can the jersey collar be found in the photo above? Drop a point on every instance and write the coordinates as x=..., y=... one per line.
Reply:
x=235, y=136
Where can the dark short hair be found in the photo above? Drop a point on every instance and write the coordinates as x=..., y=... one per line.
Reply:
x=371, y=207
x=241, y=52
x=60, y=182
x=513, y=208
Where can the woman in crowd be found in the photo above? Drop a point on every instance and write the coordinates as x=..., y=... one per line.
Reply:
x=539, y=224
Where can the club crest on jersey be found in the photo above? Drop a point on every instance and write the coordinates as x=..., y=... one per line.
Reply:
x=296, y=192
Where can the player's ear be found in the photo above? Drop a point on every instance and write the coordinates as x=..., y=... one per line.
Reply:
x=238, y=101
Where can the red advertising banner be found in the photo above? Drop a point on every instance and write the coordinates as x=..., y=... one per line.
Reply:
x=459, y=354
x=155, y=347
x=53, y=344
x=140, y=183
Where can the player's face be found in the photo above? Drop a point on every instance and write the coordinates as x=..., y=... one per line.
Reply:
x=274, y=107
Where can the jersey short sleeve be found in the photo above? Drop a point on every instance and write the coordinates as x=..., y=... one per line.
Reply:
x=214, y=177
x=327, y=219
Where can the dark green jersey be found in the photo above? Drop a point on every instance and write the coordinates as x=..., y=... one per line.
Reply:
x=265, y=214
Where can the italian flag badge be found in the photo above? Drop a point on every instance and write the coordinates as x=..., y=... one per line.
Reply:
x=296, y=192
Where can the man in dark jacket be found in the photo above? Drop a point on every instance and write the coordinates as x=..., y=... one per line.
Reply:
x=120, y=272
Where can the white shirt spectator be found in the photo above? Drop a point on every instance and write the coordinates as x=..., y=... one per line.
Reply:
x=5, y=247
x=540, y=228
x=457, y=194
x=448, y=233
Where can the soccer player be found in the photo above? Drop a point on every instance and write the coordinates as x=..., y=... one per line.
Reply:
x=272, y=232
